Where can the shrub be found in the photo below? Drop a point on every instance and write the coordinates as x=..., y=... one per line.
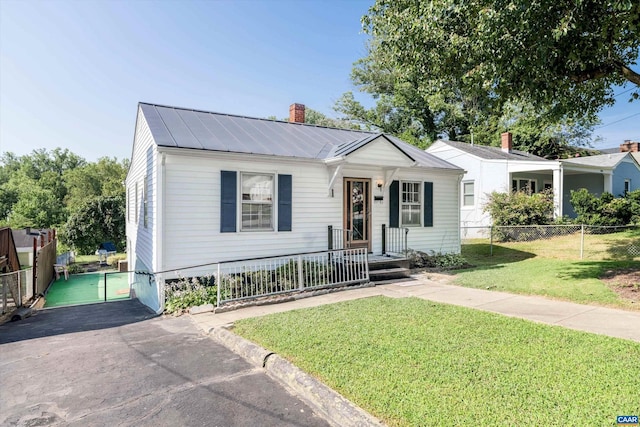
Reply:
x=113, y=259
x=604, y=210
x=188, y=292
x=520, y=208
x=75, y=268
x=449, y=261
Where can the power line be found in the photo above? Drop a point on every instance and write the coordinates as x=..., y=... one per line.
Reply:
x=623, y=92
x=618, y=121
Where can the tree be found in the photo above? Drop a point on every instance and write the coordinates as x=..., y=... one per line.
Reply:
x=561, y=57
x=98, y=220
x=102, y=178
x=314, y=117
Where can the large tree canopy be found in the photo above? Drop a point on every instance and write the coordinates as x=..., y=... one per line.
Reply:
x=562, y=57
x=46, y=188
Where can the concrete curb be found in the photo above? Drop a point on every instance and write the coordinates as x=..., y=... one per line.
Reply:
x=325, y=401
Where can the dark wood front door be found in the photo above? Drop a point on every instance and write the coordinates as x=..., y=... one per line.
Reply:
x=357, y=212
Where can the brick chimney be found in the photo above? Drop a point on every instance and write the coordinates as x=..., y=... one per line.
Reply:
x=629, y=145
x=507, y=142
x=296, y=113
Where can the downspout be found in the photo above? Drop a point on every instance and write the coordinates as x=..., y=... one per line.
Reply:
x=159, y=230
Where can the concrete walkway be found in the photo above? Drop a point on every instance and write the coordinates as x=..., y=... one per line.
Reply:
x=599, y=320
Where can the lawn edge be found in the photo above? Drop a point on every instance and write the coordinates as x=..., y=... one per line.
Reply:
x=324, y=401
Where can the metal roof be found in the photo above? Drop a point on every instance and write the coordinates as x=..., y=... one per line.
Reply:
x=493, y=153
x=602, y=160
x=203, y=130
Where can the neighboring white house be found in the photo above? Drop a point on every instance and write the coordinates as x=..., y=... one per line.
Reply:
x=206, y=187
x=504, y=169
x=24, y=240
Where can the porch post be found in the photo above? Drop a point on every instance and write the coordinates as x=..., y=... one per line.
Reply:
x=557, y=191
x=384, y=239
x=608, y=182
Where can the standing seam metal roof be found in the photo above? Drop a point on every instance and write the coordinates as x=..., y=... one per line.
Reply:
x=203, y=130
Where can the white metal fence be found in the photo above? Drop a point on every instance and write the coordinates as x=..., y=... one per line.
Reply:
x=16, y=288
x=572, y=241
x=260, y=277
x=271, y=276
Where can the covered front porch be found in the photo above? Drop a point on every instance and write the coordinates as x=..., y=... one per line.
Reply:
x=391, y=264
x=561, y=178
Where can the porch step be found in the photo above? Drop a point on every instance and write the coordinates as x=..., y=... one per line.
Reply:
x=388, y=274
x=384, y=263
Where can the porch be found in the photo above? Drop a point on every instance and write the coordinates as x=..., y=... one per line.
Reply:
x=388, y=266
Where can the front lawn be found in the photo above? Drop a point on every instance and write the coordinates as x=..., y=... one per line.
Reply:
x=552, y=268
x=412, y=362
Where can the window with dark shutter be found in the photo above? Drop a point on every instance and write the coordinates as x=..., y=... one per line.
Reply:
x=228, y=201
x=428, y=204
x=284, y=202
x=394, y=204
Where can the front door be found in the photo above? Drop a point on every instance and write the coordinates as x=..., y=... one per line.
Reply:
x=357, y=212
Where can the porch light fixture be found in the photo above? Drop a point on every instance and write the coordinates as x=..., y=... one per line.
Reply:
x=379, y=183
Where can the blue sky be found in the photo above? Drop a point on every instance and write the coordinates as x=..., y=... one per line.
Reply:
x=72, y=72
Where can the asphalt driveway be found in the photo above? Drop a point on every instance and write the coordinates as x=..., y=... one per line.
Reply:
x=115, y=364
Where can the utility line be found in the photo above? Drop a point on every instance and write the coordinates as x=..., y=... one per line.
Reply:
x=623, y=92
x=618, y=121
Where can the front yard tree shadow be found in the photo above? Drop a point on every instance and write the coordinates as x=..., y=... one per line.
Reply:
x=482, y=257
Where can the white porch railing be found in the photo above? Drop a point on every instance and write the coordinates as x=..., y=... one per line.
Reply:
x=394, y=240
x=258, y=277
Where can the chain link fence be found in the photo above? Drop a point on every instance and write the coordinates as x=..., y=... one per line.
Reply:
x=556, y=241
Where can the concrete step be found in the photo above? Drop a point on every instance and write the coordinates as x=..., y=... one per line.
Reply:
x=385, y=264
x=388, y=274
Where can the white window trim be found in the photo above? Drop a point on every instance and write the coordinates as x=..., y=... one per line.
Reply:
x=242, y=202
x=627, y=186
x=471, y=181
x=420, y=203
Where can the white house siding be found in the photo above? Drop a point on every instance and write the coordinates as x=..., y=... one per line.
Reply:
x=487, y=176
x=444, y=236
x=141, y=250
x=192, y=209
x=380, y=153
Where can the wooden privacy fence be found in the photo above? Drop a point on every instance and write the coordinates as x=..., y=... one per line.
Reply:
x=44, y=260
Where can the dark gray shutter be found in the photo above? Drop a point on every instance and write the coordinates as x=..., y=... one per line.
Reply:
x=394, y=204
x=284, y=202
x=228, y=201
x=428, y=204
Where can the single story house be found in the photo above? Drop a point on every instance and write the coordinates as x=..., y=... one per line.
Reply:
x=206, y=187
x=24, y=241
x=503, y=169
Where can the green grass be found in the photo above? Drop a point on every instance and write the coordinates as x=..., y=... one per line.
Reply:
x=412, y=362
x=552, y=267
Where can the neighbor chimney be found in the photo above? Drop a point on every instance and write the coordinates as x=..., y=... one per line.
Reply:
x=296, y=113
x=629, y=145
x=507, y=142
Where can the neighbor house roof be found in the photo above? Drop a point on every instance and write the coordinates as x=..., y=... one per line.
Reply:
x=601, y=160
x=492, y=153
x=202, y=130
x=23, y=237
